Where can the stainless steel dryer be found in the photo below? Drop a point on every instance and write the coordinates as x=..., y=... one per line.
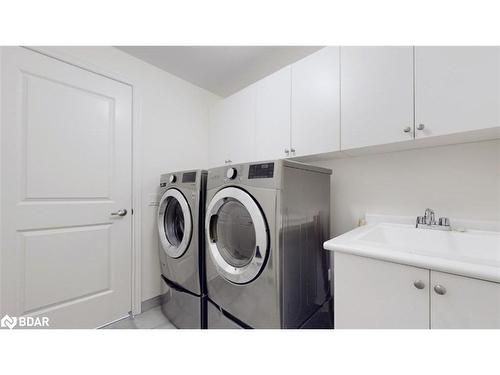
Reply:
x=181, y=232
x=265, y=225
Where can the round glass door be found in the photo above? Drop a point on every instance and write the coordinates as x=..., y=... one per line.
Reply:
x=174, y=223
x=237, y=235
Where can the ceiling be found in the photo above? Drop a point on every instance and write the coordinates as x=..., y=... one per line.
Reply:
x=220, y=70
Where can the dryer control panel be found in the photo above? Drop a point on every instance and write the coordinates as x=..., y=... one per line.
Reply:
x=262, y=170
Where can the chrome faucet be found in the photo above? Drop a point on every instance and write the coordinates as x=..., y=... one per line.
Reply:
x=428, y=221
x=429, y=217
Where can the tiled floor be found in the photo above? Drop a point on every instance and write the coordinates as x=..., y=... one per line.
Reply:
x=151, y=319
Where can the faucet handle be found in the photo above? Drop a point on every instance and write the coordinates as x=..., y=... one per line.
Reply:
x=420, y=220
x=444, y=221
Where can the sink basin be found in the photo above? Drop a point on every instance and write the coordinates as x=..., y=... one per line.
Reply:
x=475, y=246
x=472, y=253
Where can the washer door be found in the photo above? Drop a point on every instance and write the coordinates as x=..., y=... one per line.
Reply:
x=174, y=223
x=237, y=235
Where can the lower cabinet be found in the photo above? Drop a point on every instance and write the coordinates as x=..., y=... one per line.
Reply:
x=370, y=293
x=462, y=302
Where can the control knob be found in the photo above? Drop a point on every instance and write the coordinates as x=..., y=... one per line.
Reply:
x=231, y=173
x=172, y=178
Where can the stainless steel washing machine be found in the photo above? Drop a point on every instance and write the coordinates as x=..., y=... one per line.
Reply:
x=180, y=217
x=219, y=319
x=265, y=225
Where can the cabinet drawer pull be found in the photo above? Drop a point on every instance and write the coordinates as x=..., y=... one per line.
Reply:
x=439, y=289
x=419, y=284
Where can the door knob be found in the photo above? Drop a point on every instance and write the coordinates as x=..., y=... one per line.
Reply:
x=407, y=129
x=287, y=152
x=420, y=126
x=121, y=212
x=419, y=284
x=439, y=289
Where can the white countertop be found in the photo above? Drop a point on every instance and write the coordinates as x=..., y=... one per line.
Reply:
x=473, y=253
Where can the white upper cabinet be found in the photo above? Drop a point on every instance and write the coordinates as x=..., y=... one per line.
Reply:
x=232, y=128
x=377, y=95
x=272, y=127
x=457, y=89
x=218, y=151
x=240, y=132
x=315, y=103
x=347, y=98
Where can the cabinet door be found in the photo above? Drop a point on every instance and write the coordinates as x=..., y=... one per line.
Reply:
x=466, y=302
x=371, y=293
x=218, y=150
x=457, y=89
x=316, y=103
x=272, y=129
x=240, y=128
x=377, y=95
x=232, y=128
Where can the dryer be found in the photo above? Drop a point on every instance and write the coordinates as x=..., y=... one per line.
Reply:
x=180, y=220
x=265, y=226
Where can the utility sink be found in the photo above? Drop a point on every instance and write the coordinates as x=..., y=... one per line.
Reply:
x=472, y=253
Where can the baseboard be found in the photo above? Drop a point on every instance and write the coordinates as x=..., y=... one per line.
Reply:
x=151, y=303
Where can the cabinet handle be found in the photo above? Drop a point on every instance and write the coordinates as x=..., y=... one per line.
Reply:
x=439, y=289
x=419, y=284
x=292, y=151
x=287, y=152
x=420, y=126
x=407, y=129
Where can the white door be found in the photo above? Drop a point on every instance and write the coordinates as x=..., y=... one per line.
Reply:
x=272, y=128
x=377, y=95
x=66, y=167
x=457, y=89
x=462, y=302
x=370, y=293
x=316, y=103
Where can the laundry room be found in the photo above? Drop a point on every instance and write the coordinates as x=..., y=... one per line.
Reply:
x=176, y=182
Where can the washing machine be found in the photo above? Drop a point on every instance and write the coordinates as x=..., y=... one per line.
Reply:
x=265, y=226
x=181, y=217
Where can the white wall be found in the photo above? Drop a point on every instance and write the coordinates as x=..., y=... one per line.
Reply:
x=173, y=118
x=458, y=181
